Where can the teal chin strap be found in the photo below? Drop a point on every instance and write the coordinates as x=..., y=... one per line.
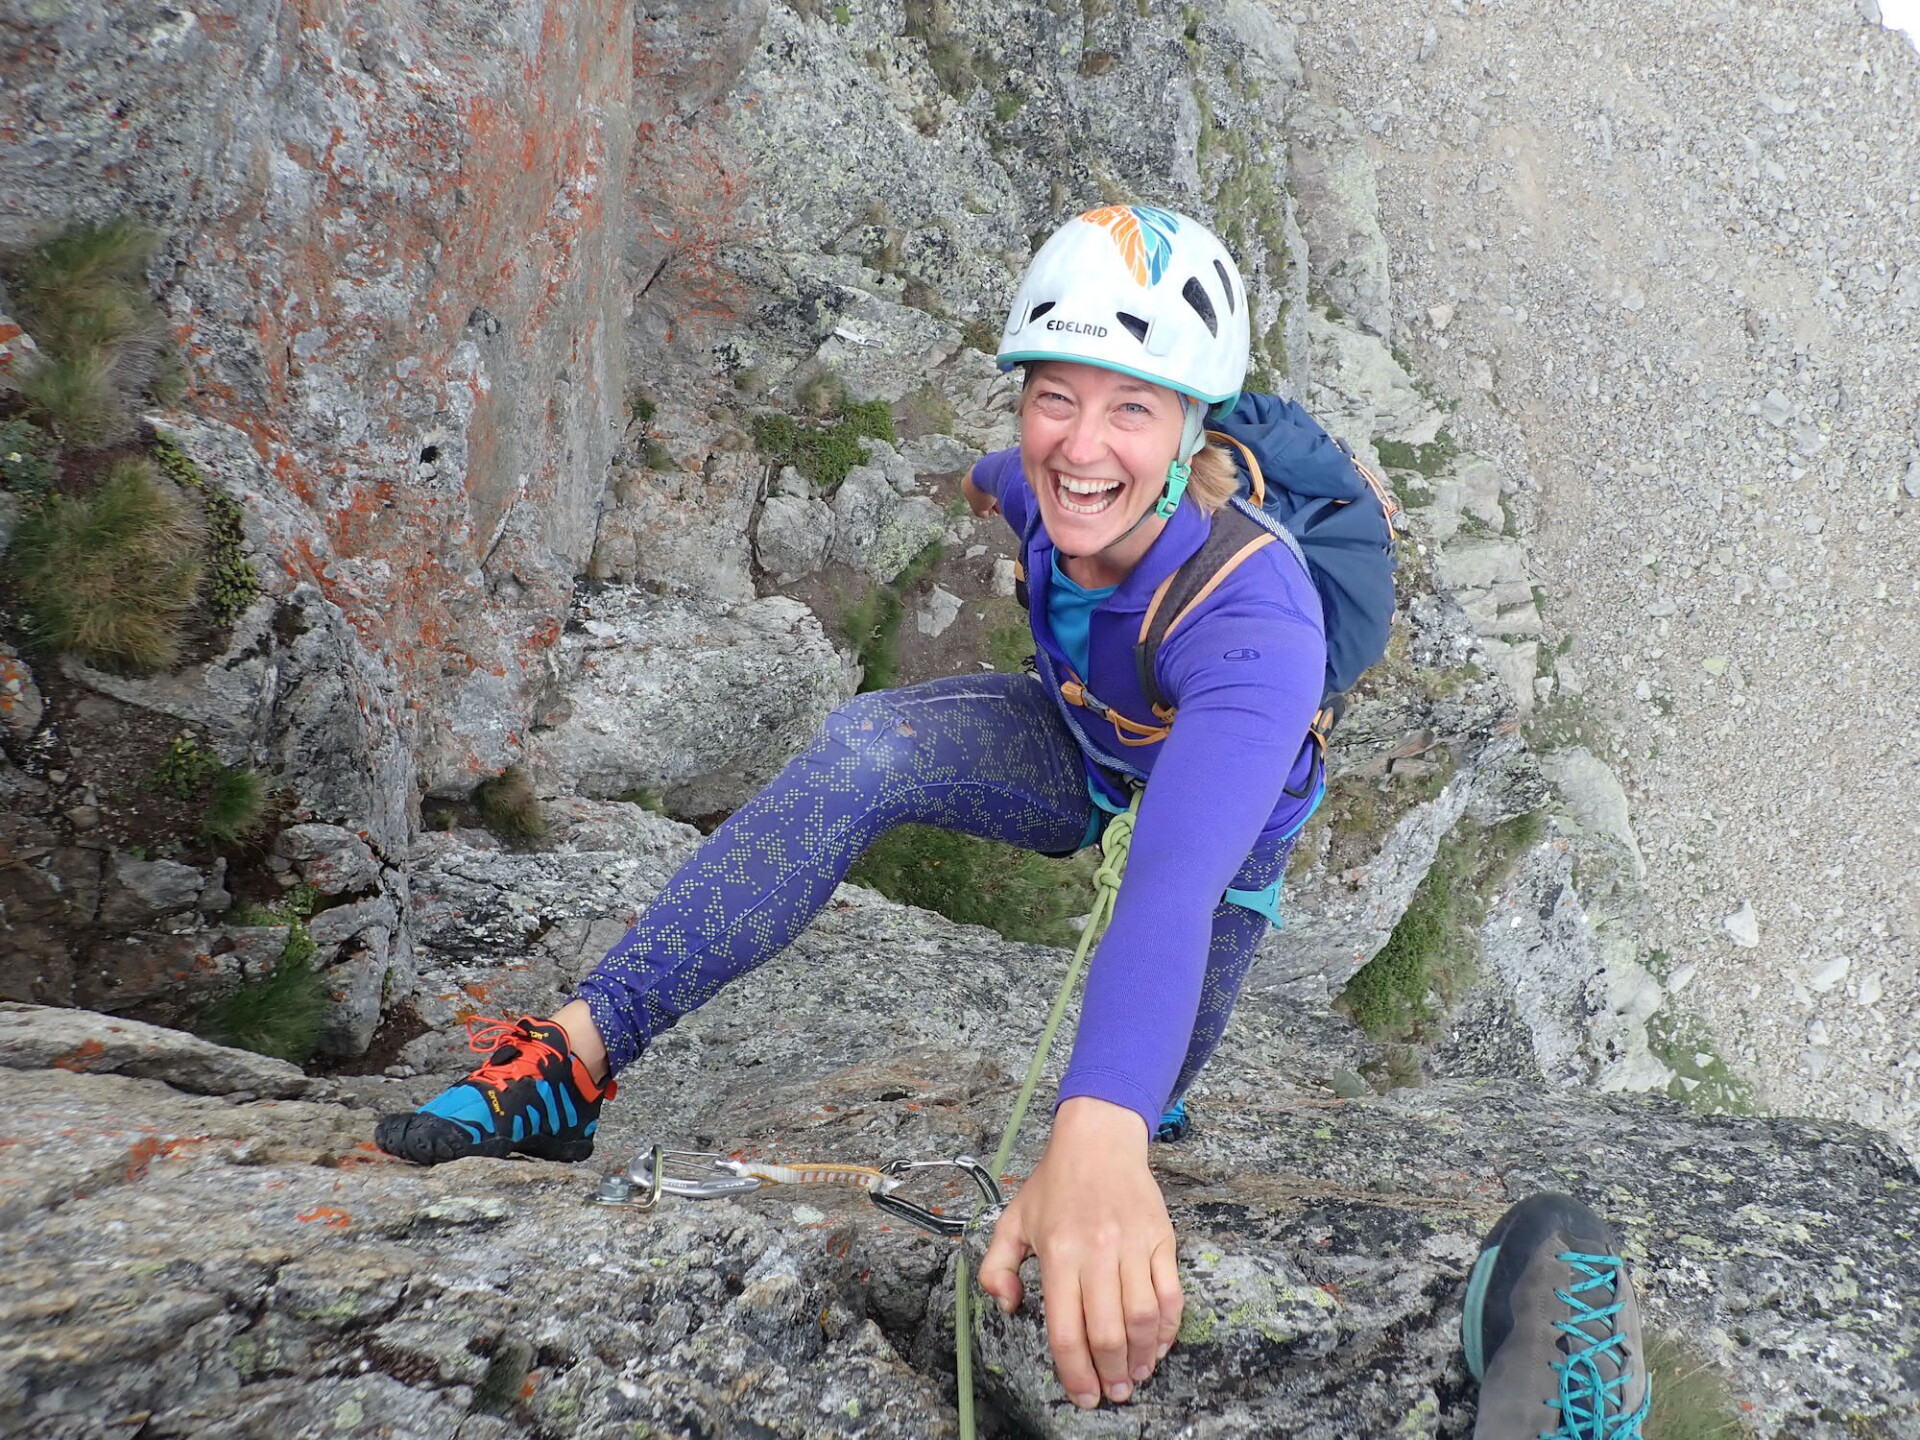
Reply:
x=1193, y=435
x=1178, y=474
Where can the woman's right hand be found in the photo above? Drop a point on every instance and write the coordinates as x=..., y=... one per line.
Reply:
x=979, y=501
x=1093, y=1214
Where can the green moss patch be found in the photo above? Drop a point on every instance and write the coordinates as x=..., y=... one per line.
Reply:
x=1701, y=1078
x=823, y=452
x=1433, y=954
x=979, y=882
x=1434, y=458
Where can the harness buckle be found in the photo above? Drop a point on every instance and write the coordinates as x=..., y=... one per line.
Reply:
x=1075, y=692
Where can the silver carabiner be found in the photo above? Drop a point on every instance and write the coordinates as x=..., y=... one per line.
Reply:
x=650, y=1177
x=950, y=1226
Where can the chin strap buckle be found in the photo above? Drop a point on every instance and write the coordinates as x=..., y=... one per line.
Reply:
x=1178, y=474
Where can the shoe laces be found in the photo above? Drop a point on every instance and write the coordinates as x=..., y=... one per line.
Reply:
x=1597, y=1370
x=526, y=1050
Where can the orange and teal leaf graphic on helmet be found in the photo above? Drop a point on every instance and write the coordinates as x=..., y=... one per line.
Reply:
x=1144, y=235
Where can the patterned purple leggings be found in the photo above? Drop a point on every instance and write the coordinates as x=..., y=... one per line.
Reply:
x=983, y=754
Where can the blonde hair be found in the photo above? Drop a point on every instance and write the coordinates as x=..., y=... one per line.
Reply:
x=1214, y=479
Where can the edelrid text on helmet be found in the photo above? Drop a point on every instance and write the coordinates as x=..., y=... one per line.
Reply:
x=1137, y=289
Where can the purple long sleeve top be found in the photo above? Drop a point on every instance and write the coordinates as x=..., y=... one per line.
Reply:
x=1245, y=672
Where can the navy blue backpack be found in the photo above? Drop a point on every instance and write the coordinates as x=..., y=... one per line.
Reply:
x=1299, y=487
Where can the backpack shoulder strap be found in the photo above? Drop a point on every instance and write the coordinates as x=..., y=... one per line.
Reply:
x=1256, y=480
x=1233, y=536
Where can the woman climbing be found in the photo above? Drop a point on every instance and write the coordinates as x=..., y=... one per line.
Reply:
x=1131, y=326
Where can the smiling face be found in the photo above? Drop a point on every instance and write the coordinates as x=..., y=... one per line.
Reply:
x=1095, y=445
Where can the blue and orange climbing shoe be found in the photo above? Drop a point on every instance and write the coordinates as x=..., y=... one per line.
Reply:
x=1175, y=1125
x=1552, y=1331
x=532, y=1097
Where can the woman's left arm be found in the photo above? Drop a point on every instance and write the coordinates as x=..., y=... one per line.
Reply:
x=1246, y=679
x=1091, y=1211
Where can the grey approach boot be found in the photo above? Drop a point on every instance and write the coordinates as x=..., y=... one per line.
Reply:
x=1551, y=1329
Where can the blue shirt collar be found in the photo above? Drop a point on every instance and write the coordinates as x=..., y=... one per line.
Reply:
x=1185, y=532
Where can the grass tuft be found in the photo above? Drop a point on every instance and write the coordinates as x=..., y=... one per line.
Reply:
x=279, y=1014
x=1010, y=642
x=1433, y=953
x=871, y=625
x=236, y=806
x=508, y=806
x=69, y=272
x=953, y=63
x=1690, y=1398
x=978, y=882
x=79, y=396
x=83, y=296
x=982, y=335
x=110, y=577
x=235, y=796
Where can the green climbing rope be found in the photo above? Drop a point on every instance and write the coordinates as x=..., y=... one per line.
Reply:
x=1114, y=844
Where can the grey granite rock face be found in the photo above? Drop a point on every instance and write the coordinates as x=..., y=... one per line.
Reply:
x=680, y=527
x=1334, y=179
x=388, y=258
x=792, y=536
x=698, y=700
x=82, y=1042
x=876, y=529
x=1324, y=1244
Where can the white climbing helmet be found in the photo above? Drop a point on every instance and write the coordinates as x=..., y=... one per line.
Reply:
x=1136, y=289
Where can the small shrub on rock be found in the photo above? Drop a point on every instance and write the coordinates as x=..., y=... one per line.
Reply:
x=822, y=453
x=83, y=296
x=232, y=584
x=508, y=806
x=111, y=576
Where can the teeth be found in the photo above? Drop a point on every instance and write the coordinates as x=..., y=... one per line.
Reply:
x=1100, y=493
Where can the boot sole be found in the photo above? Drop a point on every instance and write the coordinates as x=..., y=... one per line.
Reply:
x=432, y=1140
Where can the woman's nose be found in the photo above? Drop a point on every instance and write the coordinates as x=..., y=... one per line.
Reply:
x=1086, y=438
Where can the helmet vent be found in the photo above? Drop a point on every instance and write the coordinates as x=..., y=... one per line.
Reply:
x=1136, y=327
x=1042, y=308
x=1226, y=284
x=1195, y=294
